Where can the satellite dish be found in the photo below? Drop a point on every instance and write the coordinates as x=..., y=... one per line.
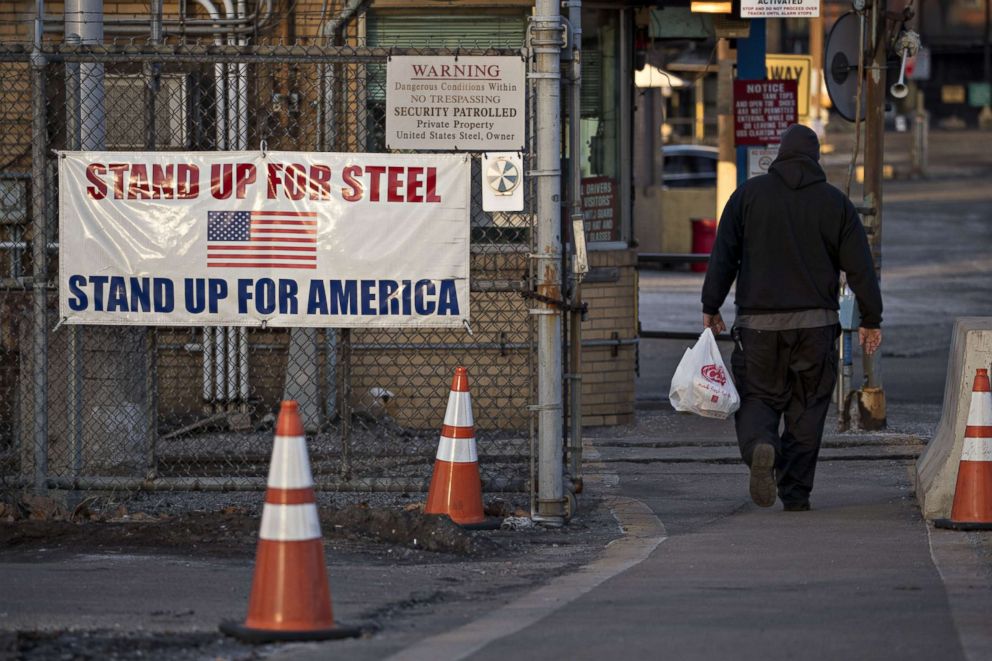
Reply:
x=840, y=66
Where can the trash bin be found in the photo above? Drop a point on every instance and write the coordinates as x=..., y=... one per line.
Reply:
x=703, y=236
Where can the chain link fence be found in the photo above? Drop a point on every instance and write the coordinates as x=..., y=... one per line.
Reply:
x=128, y=408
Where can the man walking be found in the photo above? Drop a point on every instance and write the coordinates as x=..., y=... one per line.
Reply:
x=785, y=237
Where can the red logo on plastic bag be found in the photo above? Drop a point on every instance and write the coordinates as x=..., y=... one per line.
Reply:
x=714, y=374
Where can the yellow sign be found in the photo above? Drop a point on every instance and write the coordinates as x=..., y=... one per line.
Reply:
x=792, y=67
x=952, y=94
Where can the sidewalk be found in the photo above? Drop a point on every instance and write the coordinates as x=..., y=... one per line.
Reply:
x=851, y=579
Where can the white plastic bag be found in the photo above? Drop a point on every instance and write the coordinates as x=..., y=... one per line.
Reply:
x=701, y=384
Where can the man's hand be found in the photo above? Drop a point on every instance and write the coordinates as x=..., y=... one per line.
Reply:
x=715, y=323
x=870, y=339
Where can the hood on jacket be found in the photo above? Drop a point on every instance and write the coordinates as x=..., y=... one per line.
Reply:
x=798, y=158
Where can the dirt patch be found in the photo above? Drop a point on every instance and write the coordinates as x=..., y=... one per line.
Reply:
x=234, y=533
x=113, y=645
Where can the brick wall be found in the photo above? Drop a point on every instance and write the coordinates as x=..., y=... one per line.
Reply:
x=608, y=372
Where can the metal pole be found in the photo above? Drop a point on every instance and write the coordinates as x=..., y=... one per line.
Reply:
x=918, y=153
x=84, y=18
x=546, y=46
x=152, y=72
x=872, y=395
x=750, y=66
x=345, y=405
x=575, y=193
x=39, y=256
x=74, y=356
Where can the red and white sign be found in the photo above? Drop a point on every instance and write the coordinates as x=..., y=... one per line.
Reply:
x=763, y=109
x=281, y=238
x=599, y=205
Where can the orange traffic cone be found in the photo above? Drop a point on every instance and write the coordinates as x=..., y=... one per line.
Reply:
x=290, y=598
x=456, y=488
x=972, y=509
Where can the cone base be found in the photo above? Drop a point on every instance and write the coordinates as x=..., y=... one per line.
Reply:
x=251, y=635
x=456, y=490
x=950, y=524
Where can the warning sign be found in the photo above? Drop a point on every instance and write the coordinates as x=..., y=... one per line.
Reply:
x=599, y=204
x=792, y=67
x=762, y=110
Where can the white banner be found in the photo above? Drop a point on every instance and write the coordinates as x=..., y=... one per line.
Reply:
x=277, y=239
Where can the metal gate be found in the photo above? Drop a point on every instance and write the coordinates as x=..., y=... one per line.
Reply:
x=193, y=408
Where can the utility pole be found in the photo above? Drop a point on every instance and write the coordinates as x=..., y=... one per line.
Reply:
x=546, y=46
x=726, y=168
x=816, y=74
x=872, y=395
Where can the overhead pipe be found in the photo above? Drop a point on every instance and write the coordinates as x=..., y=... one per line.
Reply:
x=197, y=26
x=326, y=117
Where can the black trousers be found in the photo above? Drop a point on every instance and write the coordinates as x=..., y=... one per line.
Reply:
x=786, y=375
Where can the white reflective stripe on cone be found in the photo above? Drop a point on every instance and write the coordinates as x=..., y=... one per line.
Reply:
x=980, y=413
x=289, y=523
x=459, y=411
x=290, y=467
x=457, y=450
x=977, y=449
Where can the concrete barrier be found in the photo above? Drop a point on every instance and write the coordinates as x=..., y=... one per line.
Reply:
x=937, y=467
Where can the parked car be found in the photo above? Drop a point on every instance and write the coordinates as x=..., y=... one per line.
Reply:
x=689, y=166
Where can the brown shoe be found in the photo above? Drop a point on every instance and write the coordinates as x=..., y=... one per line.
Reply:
x=763, y=490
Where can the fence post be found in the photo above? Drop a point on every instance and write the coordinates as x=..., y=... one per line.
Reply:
x=152, y=72
x=39, y=260
x=546, y=46
x=578, y=239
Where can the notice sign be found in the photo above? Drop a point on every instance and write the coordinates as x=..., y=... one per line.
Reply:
x=251, y=239
x=780, y=8
x=599, y=207
x=762, y=110
x=455, y=103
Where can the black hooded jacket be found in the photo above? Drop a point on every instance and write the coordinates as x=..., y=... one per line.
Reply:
x=785, y=236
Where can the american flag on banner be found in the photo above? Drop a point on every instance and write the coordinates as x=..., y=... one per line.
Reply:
x=262, y=239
